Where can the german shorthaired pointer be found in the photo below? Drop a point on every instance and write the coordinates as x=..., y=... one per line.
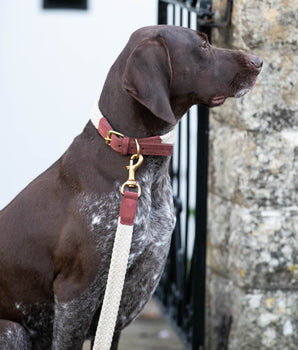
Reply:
x=56, y=236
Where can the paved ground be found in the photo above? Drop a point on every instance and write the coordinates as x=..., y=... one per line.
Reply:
x=149, y=332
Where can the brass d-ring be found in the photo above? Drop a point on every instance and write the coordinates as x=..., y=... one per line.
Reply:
x=136, y=185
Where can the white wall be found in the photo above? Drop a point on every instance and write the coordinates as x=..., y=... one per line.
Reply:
x=52, y=67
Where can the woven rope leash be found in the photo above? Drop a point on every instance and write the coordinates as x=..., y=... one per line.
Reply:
x=119, y=259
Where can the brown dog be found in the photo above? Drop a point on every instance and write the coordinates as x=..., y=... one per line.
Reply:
x=56, y=236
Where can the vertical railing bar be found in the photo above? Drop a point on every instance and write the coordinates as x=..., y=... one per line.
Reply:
x=185, y=300
x=199, y=255
x=181, y=17
x=199, y=284
x=174, y=14
x=187, y=188
x=188, y=19
x=179, y=252
x=178, y=172
x=162, y=12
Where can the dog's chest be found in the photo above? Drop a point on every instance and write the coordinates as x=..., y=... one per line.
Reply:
x=153, y=228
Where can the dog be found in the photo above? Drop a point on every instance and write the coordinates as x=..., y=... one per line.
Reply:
x=56, y=236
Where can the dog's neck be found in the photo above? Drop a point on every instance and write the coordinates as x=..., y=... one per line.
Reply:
x=124, y=113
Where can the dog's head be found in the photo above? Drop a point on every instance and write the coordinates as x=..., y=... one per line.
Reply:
x=171, y=68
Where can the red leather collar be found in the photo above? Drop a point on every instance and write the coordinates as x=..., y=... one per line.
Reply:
x=154, y=146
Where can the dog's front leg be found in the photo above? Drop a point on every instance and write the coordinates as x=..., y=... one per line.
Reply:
x=76, y=286
x=115, y=341
x=13, y=336
x=72, y=321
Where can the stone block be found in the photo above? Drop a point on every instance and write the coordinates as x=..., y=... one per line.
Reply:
x=265, y=24
x=259, y=25
x=218, y=234
x=251, y=168
x=250, y=320
x=254, y=247
x=263, y=249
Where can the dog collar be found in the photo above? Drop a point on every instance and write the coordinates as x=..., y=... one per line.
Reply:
x=153, y=146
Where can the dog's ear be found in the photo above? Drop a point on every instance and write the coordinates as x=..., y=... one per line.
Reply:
x=147, y=77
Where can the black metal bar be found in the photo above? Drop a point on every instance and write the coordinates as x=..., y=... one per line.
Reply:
x=199, y=256
x=187, y=192
x=200, y=245
x=206, y=18
x=188, y=19
x=162, y=12
x=181, y=17
x=178, y=172
x=187, y=183
x=186, y=300
x=65, y=4
x=179, y=287
x=174, y=14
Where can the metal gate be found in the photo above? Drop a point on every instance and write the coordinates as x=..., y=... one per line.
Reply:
x=181, y=292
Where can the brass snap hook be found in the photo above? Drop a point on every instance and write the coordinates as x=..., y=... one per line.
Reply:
x=132, y=167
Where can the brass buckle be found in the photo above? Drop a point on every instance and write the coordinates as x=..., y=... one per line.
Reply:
x=109, y=139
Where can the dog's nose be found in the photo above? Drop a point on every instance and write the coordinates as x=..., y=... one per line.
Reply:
x=257, y=62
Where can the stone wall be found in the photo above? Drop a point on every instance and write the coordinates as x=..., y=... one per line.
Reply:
x=252, y=288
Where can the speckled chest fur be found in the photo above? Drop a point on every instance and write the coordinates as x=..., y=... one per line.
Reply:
x=153, y=227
